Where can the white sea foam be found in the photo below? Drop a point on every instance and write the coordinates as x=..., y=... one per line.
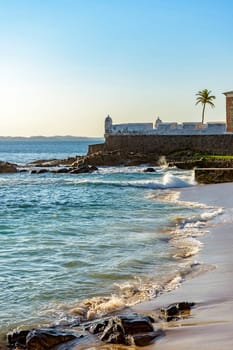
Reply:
x=167, y=181
x=173, y=196
x=130, y=293
x=171, y=181
x=212, y=214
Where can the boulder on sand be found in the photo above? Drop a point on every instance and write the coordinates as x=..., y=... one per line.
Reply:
x=176, y=311
x=131, y=329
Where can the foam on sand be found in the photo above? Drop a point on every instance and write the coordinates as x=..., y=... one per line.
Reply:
x=211, y=324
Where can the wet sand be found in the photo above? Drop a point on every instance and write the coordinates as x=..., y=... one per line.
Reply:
x=211, y=323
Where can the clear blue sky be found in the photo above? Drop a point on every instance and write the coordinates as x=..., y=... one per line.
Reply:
x=66, y=64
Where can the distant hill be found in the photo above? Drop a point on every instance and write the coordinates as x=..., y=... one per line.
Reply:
x=48, y=138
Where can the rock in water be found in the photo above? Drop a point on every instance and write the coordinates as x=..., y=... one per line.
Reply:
x=83, y=168
x=44, y=339
x=149, y=170
x=17, y=338
x=41, y=339
x=7, y=168
x=39, y=171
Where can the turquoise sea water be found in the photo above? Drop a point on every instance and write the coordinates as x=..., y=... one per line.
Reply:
x=78, y=246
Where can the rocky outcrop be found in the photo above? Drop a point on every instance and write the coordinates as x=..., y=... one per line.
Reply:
x=132, y=329
x=213, y=175
x=127, y=329
x=81, y=168
x=61, y=170
x=7, y=168
x=189, y=164
x=53, y=162
x=39, y=171
x=115, y=158
x=41, y=339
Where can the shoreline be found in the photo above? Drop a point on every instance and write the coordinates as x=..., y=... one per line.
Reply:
x=211, y=321
x=207, y=291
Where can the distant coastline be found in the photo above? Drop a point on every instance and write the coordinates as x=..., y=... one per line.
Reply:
x=48, y=138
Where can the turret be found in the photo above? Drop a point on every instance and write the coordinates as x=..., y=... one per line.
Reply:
x=108, y=125
x=229, y=110
x=158, y=122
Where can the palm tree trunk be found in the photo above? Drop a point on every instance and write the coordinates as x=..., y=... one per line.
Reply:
x=203, y=113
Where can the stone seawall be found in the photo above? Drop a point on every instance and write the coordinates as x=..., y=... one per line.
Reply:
x=99, y=147
x=213, y=175
x=166, y=144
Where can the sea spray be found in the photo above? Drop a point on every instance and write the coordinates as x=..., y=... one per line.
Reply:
x=163, y=162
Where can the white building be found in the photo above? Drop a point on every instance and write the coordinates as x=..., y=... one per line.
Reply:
x=160, y=128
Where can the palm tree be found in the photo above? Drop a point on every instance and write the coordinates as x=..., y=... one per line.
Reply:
x=205, y=97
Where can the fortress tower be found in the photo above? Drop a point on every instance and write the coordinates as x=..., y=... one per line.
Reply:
x=229, y=111
x=108, y=124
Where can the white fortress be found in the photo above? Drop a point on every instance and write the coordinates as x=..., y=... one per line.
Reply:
x=160, y=128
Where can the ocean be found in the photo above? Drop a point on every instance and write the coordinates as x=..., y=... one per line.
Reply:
x=80, y=246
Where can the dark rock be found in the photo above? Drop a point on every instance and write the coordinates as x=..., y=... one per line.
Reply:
x=77, y=171
x=114, y=332
x=93, y=168
x=17, y=338
x=125, y=329
x=83, y=168
x=80, y=343
x=176, y=311
x=188, y=164
x=44, y=339
x=61, y=171
x=213, y=175
x=96, y=328
x=7, y=168
x=45, y=163
x=42, y=171
x=145, y=339
x=135, y=323
x=53, y=162
x=149, y=170
x=39, y=171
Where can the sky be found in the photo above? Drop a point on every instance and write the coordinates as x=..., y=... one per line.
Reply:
x=66, y=64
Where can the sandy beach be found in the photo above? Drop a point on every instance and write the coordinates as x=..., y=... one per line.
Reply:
x=211, y=323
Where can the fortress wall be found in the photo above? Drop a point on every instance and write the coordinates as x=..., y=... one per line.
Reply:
x=165, y=144
x=96, y=148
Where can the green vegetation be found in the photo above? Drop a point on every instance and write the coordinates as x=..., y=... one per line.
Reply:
x=213, y=156
x=210, y=156
x=204, y=97
x=190, y=155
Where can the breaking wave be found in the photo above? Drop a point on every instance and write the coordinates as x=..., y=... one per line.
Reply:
x=127, y=295
x=168, y=181
x=184, y=244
